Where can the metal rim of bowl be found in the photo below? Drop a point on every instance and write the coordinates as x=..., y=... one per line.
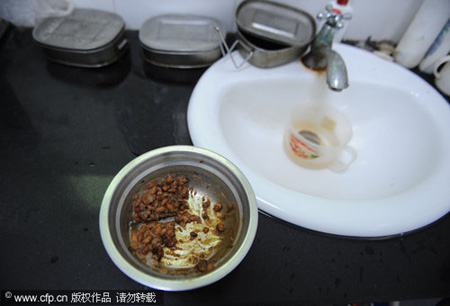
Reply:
x=175, y=284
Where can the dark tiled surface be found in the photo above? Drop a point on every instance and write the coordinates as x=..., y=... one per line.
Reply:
x=65, y=132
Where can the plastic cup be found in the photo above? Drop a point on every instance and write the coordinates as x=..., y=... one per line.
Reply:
x=316, y=137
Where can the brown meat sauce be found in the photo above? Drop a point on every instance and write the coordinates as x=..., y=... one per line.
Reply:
x=178, y=231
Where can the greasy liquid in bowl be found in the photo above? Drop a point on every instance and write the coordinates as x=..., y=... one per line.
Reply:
x=188, y=238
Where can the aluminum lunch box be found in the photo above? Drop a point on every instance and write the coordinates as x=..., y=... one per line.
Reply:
x=272, y=34
x=85, y=38
x=264, y=54
x=181, y=41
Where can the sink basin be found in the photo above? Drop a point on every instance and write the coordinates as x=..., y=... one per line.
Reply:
x=399, y=181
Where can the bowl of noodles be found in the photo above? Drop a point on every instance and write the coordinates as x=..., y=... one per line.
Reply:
x=178, y=218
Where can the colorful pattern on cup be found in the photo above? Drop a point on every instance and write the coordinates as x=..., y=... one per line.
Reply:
x=301, y=149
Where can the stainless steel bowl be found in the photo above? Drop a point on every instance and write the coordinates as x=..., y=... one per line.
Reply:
x=211, y=176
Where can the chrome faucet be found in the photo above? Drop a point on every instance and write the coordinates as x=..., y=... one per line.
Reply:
x=321, y=56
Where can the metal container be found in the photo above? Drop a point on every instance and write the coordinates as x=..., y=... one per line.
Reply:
x=211, y=176
x=181, y=41
x=276, y=22
x=85, y=38
x=272, y=34
x=265, y=54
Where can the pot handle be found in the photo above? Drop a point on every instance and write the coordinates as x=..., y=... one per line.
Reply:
x=227, y=51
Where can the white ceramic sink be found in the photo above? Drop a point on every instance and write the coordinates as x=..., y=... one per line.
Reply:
x=401, y=177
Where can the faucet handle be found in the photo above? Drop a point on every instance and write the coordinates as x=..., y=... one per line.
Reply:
x=328, y=12
x=346, y=16
x=333, y=17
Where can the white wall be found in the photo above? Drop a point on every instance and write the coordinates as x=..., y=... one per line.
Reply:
x=380, y=19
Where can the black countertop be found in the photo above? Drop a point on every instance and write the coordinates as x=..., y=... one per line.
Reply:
x=64, y=134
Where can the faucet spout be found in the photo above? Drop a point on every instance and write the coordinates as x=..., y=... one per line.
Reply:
x=322, y=58
x=327, y=59
x=337, y=78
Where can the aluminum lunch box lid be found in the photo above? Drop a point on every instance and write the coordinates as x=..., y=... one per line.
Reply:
x=276, y=22
x=84, y=29
x=181, y=33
